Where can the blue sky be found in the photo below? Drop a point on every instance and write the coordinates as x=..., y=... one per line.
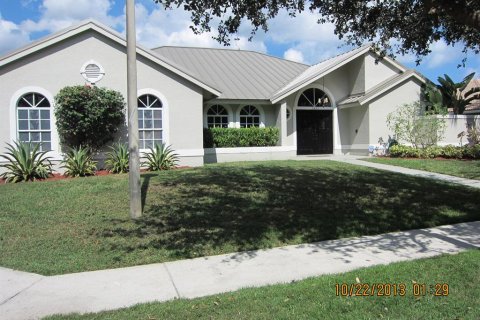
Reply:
x=300, y=39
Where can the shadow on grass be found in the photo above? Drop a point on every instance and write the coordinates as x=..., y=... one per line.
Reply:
x=222, y=209
x=144, y=187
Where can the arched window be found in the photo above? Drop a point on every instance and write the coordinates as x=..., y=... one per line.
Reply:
x=150, y=127
x=33, y=120
x=249, y=117
x=314, y=97
x=217, y=117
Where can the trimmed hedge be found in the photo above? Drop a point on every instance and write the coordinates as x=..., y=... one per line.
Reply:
x=449, y=152
x=240, y=137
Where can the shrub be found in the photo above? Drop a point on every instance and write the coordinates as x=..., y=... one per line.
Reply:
x=117, y=158
x=430, y=152
x=88, y=116
x=240, y=137
x=449, y=152
x=25, y=163
x=401, y=151
x=472, y=152
x=413, y=125
x=161, y=157
x=78, y=162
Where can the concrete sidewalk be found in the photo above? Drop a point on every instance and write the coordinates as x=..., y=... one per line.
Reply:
x=30, y=296
x=413, y=172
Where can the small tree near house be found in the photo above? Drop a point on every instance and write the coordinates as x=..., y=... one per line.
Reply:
x=412, y=124
x=88, y=116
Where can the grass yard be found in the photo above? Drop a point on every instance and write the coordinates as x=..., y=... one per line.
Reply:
x=469, y=169
x=82, y=224
x=315, y=298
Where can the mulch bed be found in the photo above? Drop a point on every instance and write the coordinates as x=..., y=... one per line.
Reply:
x=59, y=176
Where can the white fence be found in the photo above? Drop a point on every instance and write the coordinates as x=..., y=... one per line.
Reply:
x=457, y=124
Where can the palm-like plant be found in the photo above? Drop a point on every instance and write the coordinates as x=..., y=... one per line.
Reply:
x=434, y=100
x=79, y=163
x=161, y=157
x=117, y=158
x=25, y=162
x=453, y=95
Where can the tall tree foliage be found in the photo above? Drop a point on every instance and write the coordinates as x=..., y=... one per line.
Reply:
x=414, y=23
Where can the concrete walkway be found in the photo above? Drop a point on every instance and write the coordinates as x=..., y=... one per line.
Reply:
x=30, y=296
x=413, y=172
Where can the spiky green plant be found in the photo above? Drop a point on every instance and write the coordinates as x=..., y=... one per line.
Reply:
x=78, y=162
x=25, y=162
x=161, y=157
x=117, y=158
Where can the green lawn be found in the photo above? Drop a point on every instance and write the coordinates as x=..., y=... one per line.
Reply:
x=469, y=169
x=82, y=224
x=315, y=298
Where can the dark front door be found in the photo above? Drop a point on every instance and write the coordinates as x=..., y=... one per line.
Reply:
x=314, y=132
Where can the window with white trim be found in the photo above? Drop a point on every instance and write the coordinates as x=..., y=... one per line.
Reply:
x=150, y=127
x=33, y=120
x=249, y=117
x=314, y=97
x=217, y=117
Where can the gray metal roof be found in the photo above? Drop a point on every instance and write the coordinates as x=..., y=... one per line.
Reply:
x=238, y=74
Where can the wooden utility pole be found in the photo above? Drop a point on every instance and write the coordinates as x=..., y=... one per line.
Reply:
x=134, y=160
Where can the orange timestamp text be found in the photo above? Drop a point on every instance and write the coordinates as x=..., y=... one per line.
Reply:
x=390, y=289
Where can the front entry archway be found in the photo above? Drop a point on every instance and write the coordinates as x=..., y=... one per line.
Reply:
x=314, y=122
x=314, y=132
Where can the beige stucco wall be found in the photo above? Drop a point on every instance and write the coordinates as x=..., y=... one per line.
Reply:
x=59, y=65
x=353, y=129
x=356, y=76
x=376, y=73
x=456, y=124
x=406, y=92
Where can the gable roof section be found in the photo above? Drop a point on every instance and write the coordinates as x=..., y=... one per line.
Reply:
x=317, y=71
x=239, y=74
x=113, y=35
x=323, y=68
x=392, y=82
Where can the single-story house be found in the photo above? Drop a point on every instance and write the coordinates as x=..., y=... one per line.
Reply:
x=338, y=106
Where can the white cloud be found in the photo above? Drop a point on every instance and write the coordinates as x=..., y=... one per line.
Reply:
x=11, y=36
x=442, y=54
x=161, y=27
x=315, y=41
x=293, y=55
x=59, y=14
x=307, y=40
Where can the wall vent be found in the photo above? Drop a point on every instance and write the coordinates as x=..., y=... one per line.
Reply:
x=92, y=72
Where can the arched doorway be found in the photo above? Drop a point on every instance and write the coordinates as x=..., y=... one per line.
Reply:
x=314, y=113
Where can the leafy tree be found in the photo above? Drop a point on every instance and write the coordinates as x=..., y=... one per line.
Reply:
x=453, y=94
x=414, y=23
x=88, y=116
x=411, y=124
